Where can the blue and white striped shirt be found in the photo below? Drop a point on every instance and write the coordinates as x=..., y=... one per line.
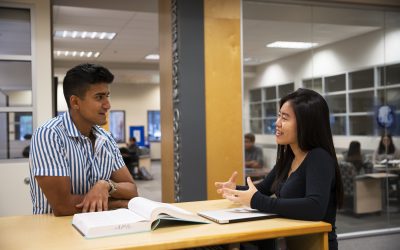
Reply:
x=59, y=149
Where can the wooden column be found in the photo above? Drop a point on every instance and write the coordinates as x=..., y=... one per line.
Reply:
x=223, y=71
x=200, y=48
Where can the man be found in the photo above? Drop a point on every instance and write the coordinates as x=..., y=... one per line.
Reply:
x=253, y=155
x=75, y=165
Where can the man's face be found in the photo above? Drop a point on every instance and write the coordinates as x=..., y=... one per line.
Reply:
x=247, y=143
x=93, y=107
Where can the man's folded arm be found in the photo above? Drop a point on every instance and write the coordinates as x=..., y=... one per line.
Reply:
x=57, y=190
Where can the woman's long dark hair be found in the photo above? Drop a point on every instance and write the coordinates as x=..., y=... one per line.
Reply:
x=382, y=148
x=313, y=131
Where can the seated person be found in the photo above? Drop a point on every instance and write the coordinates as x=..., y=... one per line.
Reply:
x=253, y=155
x=131, y=154
x=75, y=165
x=354, y=156
x=386, y=149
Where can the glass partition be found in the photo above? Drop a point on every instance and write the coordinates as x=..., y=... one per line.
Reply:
x=355, y=64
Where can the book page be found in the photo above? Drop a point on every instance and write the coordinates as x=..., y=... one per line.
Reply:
x=143, y=207
x=118, y=216
x=152, y=210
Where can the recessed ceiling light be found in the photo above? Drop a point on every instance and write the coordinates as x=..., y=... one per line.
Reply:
x=84, y=34
x=291, y=45
x=152, y=57
x=247, y=59
x=76, y=53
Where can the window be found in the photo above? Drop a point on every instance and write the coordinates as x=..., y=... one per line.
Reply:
x=335, y=83
x=15, y=82
x=154, y=125
x=117, y=125
x=352, y=98
x=314, y=84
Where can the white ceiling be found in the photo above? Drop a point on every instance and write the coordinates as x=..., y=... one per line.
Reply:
x=137, y=32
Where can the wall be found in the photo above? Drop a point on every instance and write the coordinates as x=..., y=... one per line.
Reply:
x=135, y=99
x=364, y=51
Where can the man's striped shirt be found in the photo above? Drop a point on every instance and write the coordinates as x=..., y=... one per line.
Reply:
x=59, y=149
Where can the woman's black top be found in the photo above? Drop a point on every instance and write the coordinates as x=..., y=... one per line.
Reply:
x=308, y=193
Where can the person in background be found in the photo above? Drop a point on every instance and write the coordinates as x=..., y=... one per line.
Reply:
x=386, y=149
x=27, y=149
x=133, y=147
x=354, y=156
x=254, y=157
x=306, y=180
x=75, y=165
x=131, y=154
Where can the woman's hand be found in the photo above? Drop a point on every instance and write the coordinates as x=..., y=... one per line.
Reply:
x=231, y=183
x=240, y=196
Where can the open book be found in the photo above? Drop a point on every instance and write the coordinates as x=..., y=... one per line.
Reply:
x=142, y=215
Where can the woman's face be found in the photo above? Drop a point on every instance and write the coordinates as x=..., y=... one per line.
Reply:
x=386, y=141
x=286, y=126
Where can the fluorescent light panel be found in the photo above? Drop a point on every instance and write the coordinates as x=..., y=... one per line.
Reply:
x=76, y=53
x=85, y=34
x=152, y=57
x=291, y=45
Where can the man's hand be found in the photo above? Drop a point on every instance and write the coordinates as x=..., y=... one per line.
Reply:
x=231, y=183
x=96, y=199
x=238, y=196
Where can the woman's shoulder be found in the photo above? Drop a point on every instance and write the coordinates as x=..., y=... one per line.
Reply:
x=319, y=154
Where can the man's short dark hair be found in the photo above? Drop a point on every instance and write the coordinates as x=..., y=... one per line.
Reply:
x=250, y=137
x=79, y=78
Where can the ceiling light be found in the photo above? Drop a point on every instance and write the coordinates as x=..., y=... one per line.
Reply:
x=152, y=57
x=291, y=45
x=76, y=53
x=84, y=34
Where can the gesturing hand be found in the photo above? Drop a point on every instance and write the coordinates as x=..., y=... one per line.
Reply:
x=96, y=199
x=231, y=183
x=240, y=196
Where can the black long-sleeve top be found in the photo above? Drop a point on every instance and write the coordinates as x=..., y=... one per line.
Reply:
x=308, y=193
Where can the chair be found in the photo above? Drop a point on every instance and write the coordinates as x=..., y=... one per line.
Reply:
x=362, y=194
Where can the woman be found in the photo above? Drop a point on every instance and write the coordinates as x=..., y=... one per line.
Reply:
x=354, y=156
x=306, y=178
x=386, y=149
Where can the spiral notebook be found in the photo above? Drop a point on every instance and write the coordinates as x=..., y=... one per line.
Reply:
x=232, y=215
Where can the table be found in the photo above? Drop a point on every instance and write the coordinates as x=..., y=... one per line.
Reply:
x=50, y=232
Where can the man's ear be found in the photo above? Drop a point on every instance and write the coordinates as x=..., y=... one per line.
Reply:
x=74, y=102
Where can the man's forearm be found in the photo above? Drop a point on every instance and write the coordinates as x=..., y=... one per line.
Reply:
x=114, y=204
x=68, y=207
x=125, y=191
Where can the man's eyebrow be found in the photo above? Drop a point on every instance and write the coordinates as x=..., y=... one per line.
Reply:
x=102, y=93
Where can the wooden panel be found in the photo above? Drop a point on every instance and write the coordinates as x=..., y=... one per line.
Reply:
x=223, y=87
x=308, y=242
x=167, y=154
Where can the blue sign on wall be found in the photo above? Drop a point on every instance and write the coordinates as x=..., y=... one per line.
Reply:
x=138, y=133
x=385, y=116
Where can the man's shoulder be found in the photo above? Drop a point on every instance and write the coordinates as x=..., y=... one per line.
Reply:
x=51, y=124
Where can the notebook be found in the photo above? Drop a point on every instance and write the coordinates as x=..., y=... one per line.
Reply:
x=232, y=215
